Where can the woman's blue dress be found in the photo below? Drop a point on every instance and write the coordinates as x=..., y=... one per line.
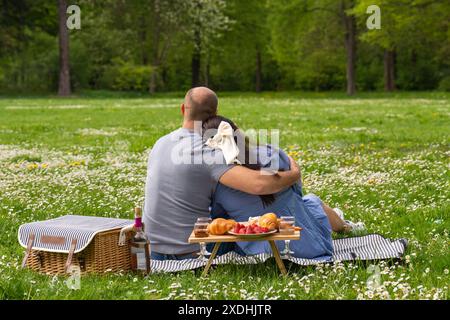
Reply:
x=315, y=241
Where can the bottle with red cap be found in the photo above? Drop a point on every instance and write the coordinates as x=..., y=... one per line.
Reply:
x=140, y=246
x=139, y=235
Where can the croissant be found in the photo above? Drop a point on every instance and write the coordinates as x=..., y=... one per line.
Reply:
x=221, y=226
x=269, y=221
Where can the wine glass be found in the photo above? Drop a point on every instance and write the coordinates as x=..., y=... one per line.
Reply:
x=201, y=228
x=287, y=227
x=204, y=219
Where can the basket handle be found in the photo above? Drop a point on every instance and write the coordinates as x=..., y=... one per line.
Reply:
x=29, y=247
x=123, y=234
x=70, y=256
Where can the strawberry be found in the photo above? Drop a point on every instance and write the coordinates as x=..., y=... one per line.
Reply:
x=241, y=231
x=249, y=230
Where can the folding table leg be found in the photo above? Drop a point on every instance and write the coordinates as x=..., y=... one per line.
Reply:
x=211, y=258
x=277, y=256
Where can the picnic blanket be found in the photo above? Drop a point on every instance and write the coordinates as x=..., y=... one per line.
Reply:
x=369, y=247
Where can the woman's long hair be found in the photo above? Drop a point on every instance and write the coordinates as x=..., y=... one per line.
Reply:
x=213, y=123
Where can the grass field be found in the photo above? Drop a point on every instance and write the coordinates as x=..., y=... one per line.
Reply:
x=384, y=159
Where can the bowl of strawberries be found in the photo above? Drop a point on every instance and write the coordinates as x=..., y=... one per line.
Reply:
x=250, y=230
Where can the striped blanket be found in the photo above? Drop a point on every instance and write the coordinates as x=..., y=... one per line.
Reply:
x=369, y=247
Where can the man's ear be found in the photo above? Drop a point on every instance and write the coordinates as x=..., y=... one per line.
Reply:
x=183, y=109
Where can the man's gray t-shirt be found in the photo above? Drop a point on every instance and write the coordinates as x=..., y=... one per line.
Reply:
x=181, y=178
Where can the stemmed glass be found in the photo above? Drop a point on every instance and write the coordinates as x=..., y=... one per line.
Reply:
x=201, y=228
x=287, y=227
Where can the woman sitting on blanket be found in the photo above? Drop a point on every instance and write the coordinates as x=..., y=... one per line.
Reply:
x=316, y=218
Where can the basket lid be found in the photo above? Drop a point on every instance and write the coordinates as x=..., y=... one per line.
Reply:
x=56, y=235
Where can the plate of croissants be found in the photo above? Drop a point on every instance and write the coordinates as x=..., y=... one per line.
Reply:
x=254, y=228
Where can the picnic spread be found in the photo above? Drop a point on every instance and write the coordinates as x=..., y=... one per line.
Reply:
x=96, y=244
x=266, y=228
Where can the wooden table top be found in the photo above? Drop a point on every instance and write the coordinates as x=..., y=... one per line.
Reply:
x=232, y=238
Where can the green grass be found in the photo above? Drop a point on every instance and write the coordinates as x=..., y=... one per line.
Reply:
x=383, y=158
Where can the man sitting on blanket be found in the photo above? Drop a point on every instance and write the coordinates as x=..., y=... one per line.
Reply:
x=182, y=175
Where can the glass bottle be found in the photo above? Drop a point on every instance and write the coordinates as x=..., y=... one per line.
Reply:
x=140, y=246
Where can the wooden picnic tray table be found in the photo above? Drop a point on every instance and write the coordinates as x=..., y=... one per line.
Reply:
x=218, y=239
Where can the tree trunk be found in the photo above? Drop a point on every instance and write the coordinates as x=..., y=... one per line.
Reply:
x=155, y=47
x=258, y=80
x=64, y=71
x=143, y=40
x=207, y=71
x=389, y=70
x=152, y=84
x=23, y=44
x=414, y=80
x=350, y=47
x=196, y=59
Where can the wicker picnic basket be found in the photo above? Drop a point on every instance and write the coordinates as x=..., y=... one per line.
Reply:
x=53, y=250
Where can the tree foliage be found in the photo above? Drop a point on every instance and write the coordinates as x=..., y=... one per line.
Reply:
x=166, y=45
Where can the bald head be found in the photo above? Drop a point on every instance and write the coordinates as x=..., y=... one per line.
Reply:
x=201, y=103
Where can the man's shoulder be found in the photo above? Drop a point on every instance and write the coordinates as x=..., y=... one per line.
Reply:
x=168, y=137
x=161, y=144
